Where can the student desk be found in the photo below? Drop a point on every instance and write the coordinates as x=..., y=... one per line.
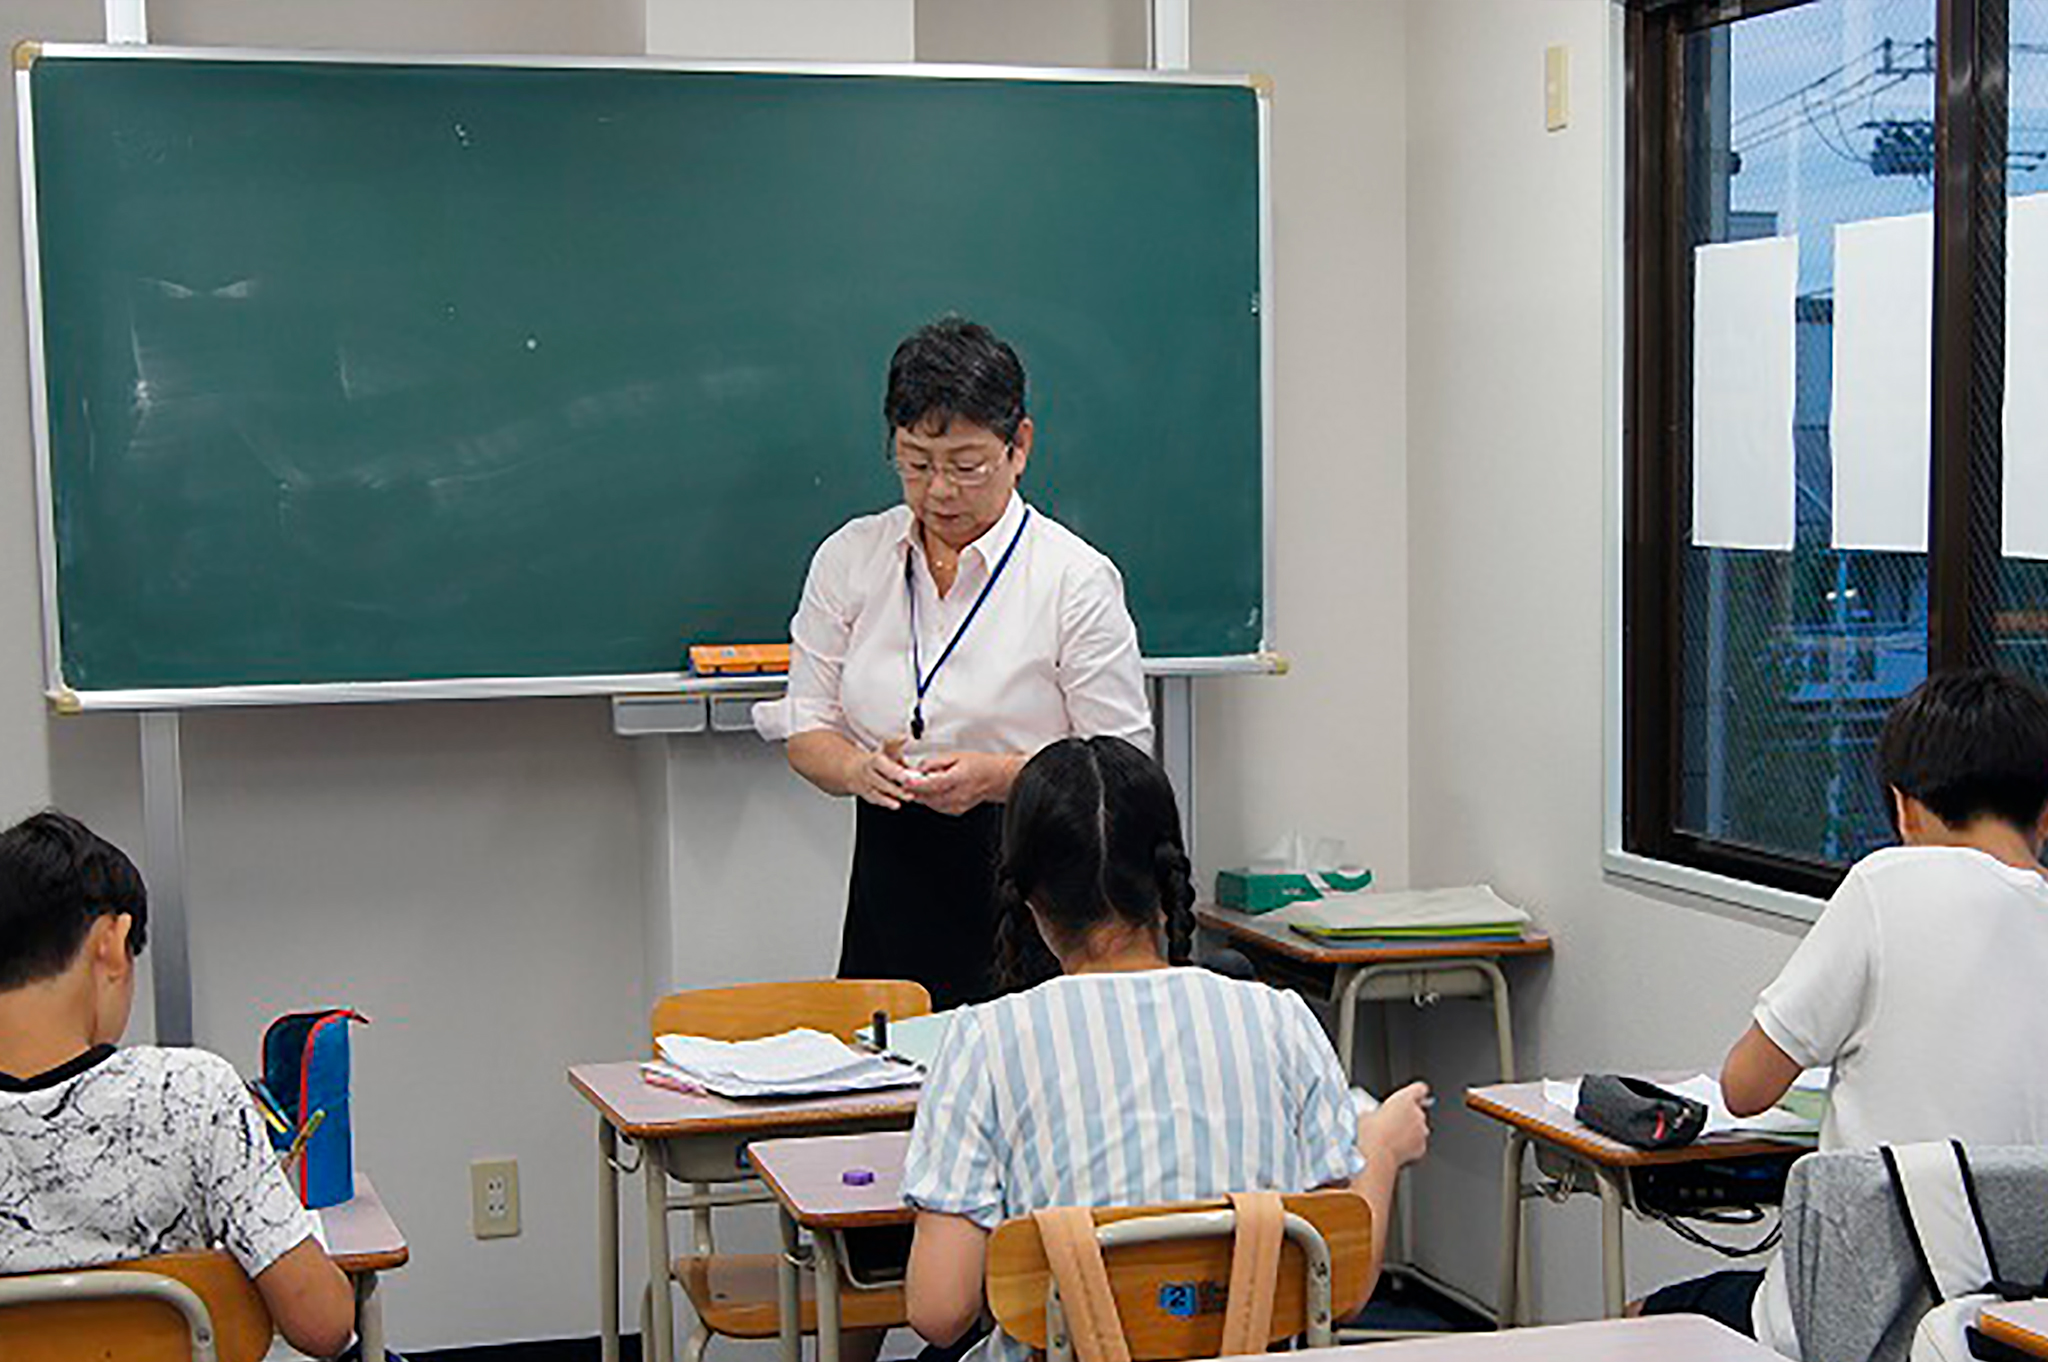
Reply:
x=1562, y=1142
x=695, y=1139
x=2023, y=1324
x=807, y=1177
x=1349, y=976
x=1670, y=1338
x=363, y=1241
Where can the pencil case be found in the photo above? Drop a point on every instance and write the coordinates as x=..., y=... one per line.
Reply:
x=1638, y=1113
x=305, y=1066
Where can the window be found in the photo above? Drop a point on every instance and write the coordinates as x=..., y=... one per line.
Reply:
x=1858, y=152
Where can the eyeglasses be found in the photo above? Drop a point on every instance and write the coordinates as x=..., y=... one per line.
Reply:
x=964, y=475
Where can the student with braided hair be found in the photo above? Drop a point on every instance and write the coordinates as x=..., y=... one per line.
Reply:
x=1119, y=1075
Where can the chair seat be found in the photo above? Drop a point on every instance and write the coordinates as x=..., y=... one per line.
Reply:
x=735, y=1295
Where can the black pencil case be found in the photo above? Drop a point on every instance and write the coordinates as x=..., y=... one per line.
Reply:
x=1637, y=1113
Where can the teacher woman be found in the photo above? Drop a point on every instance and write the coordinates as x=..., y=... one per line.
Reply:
x=937, y=646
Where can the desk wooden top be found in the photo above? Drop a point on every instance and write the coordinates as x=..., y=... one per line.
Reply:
x=361, y=1235
x=1262, y=933
x=1658, y=1338
x=2023, y=1324
x=640, y=1110
x=1523, y=1106
x=807, y=1175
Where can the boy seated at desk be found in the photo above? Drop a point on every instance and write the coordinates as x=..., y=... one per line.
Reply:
x=1922, y=983
x=109, y=1154
x=1130, y=1078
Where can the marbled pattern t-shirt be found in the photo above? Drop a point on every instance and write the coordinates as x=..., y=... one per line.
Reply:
x=138, y=1151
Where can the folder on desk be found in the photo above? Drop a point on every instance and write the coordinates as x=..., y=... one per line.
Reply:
x=1474, y=913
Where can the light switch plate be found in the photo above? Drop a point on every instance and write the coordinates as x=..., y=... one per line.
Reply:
x=1557, y=88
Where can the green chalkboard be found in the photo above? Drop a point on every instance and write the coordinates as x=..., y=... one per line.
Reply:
x=386, y=371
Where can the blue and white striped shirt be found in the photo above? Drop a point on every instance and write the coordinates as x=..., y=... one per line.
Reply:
x=1128, y=1089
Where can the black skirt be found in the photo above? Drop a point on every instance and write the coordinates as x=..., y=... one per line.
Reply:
x=921, y=904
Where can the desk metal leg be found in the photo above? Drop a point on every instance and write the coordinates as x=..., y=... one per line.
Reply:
x=1613, y=1276
x=1509, y=1313
x=1503, y=1017
x=661, y=1315
x=1349, y=990
x=369, y=1319
x=825, y=1264
x=789, y=1291
x=1344, y=987
x=607, y=1242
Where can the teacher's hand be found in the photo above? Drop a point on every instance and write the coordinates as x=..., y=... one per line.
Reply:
x=960, y=781
x=879, y=777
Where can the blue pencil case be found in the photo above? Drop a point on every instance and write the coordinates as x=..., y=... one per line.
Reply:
x=305, y=1066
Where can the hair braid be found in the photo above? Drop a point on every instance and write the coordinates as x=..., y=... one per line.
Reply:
x=1176, y=900
x=1022, y=957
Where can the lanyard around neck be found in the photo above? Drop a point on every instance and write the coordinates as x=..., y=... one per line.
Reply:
x=918, y=674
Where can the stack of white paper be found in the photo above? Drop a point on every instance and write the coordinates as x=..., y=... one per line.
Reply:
x=798, y=1063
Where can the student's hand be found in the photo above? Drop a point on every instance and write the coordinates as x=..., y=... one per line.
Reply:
x=879, y=776
x=1399, y=1129
x=959, y=781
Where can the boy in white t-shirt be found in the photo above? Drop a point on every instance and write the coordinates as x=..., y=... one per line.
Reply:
x=109, y=1154
x=1922, y=983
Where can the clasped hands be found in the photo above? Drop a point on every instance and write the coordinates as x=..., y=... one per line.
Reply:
x=951, y=783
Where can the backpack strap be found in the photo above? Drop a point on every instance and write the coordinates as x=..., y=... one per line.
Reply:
x=1254, y=1271
x=1075, y=1256
x=1937, y=1201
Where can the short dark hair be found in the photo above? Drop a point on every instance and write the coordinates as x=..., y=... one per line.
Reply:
x=954, y=367
x=1968, y=744
x=1091, y=835
x=57, y=876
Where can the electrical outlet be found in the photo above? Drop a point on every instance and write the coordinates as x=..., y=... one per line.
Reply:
x=494, y=1198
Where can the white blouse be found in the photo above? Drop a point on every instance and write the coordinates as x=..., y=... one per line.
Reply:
x=1051, y=654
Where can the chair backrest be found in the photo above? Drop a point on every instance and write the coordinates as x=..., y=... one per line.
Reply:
x=200, y=1306
x=838, y=1007
x=1171, y=1293
x=1852, y=1274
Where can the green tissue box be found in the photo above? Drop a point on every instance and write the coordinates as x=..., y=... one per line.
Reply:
x=1261, y=891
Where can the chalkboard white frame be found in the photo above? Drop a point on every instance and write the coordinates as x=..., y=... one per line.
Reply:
x=64, y=699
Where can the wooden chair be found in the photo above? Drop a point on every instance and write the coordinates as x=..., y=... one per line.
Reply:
x=1169, y=1270
x=197, y=1306
x=838, y=1007
x=735, y=1294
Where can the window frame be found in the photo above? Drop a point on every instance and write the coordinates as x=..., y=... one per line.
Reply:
x=1971, y=124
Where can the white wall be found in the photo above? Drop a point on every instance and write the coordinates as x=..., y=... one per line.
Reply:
x=1508, y=236
x=784, y=30
x=1090, y=33
x=1324, y=749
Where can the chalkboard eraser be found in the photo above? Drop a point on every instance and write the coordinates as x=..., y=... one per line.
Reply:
x=65, y=701
x=738, y=659
x=25, y=53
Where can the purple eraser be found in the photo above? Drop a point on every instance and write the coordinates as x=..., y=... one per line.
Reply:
x=857, y=1177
